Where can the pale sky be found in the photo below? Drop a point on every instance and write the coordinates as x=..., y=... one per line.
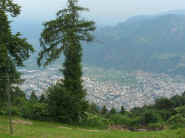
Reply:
x=102, y=11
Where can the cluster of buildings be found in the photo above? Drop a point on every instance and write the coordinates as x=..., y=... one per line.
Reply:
x=146, y=88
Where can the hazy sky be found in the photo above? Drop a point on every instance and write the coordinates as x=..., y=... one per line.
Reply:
x=103, y=11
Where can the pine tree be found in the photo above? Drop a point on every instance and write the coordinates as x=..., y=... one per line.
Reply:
x=104, y=110
x=10, y=7
x=33, y=97
x=122, y=110
x=14, y=50
x=112, y=111
x=42, y=98
x=64, y=35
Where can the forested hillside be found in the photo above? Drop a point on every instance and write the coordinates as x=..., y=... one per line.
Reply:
x=149, y=43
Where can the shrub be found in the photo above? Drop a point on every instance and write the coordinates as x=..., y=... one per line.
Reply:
x=178, y=100
x=95, y=121
x=119, y=119
x=34, y=111
x=104, y=110
x=63, y=105
x=93, y=108
x=164, y=114
x=150, y=117
x=122, y=111
x=155, y=126
x=164, y=103
x=177, y=121
x=125, y=120
x=181, y=110
x=112, y=111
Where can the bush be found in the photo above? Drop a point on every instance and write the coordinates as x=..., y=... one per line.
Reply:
x=119, y=119
x=125, y=120
x=178, y=100
x=34, y=111
x=95, y=121
x=155, y=126
x=15, y=110
x=164, y=114
x=93, y=108
x=112, y=111
x=150, y=117
x=164, y=103
x=181, y=110
x=63, y=106
x=177, y=121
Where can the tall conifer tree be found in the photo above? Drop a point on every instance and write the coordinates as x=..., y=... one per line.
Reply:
x=14, y=50
x=64, y=35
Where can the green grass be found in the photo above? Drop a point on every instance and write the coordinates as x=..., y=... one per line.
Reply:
x=36, y=129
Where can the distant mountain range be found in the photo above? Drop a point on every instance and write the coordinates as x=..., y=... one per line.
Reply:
x=148, y=43
x=152, y=43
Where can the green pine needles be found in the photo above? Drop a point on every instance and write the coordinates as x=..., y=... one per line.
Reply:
x=14, y=50
x=64, y=35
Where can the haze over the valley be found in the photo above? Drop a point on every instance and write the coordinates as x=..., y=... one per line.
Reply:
x=105, y=12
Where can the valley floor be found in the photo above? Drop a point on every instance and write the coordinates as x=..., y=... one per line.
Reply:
x=36, y=129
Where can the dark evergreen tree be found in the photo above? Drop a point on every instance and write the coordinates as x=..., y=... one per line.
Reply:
x=183, y=94
x=10, y=7
x=112, y=111
x=14, y=50
x=164, y=103
x=33, y=98
x=93, y=108
x=42, y=99
x=122, y=110
x=104, y=110
x=65, y=34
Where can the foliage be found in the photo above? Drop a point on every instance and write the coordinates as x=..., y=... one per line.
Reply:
x=95, y=121
x=10, y=7
x=93, y=108
x=122, y=110
x=33, y=98
x=104, y=110
x=178, y=100
x=119, y=119
x=177, y=121
x=14, y=50
x=180, y=110
x=164, y=103
x=34, y=111
x=163, y=112
x=62, y=106
x=64, y=35
x=112, y=111
x=150, y=117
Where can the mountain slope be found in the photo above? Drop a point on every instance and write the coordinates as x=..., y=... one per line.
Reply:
x=153, y=44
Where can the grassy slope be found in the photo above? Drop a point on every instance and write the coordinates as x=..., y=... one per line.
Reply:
x=35, y=129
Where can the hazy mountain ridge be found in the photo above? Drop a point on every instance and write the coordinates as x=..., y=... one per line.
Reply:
x=149, y=44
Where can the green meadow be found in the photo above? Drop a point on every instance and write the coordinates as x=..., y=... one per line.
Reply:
x=35, y=129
